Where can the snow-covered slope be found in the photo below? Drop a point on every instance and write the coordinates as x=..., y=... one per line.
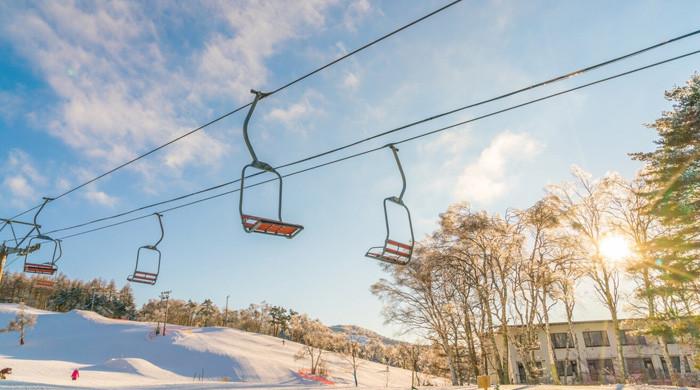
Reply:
x=116, y=353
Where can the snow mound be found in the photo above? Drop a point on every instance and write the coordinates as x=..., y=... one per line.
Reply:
x=13, y=308
x=135, y=366
x=128, y=354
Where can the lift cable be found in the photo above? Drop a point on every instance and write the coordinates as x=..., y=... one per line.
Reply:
x=441, y=129
x=355, y=143
x=285, y=86
x=396, y=129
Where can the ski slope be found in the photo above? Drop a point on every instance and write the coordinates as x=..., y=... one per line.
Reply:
x=126, y=354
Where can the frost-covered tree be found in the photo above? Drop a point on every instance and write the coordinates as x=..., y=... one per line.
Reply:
x=22, y=321
x=352, y=353
x=585, y=207
x=316, y=337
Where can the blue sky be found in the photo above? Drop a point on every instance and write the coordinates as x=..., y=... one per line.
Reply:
x=86, y=86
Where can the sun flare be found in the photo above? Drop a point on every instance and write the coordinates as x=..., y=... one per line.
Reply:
x=614, y=248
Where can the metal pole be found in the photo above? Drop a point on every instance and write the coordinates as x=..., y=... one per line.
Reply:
x=413, y=367
x=226, y=312
x=3, y=259
x=165, y=295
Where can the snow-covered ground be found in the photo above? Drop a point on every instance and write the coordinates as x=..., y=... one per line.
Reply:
x=126, y=354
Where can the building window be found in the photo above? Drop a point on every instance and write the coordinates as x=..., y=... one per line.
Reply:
x=641, y=366
x=536, y=372
x=676, y=363
x=596, y=338
x=601, y=367
x=628, y=338
x=571, y=369
x=562, y=340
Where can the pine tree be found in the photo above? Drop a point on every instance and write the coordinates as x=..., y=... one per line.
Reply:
x=206, y=312
x=672, y=171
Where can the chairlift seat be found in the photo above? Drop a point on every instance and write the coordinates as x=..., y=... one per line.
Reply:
x=252, y=223
x=393, y=252
x=44, y=269
x=143, y=277
x=44, y=283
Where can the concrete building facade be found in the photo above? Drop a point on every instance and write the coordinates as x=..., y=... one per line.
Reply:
x=598, y=363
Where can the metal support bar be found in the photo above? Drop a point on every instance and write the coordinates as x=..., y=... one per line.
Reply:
x=37, y=227
x=12, y=221
x=395, y=150
x=258, y=95
x=162, y=232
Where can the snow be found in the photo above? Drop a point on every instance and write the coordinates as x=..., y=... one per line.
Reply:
x=127, y=354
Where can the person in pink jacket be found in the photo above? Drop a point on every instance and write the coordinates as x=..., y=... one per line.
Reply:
x=75, y=375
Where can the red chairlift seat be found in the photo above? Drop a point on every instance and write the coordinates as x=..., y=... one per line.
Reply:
x=255, y=224
x=44, y=283
x=43, y=269
x=143, y=277
x=251, y=223
x=392, y=252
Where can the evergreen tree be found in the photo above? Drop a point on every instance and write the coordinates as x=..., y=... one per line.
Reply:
x=206, y=312
x=672, y=172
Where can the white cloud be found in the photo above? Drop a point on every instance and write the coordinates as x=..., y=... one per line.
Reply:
x=101, y=198
x=9, y=105
x=355, y=12
x=21, y=177
x=451, y=145
x=489, y=177
x=62, y=184
x=351, y=81
x=19, y=187
x=233, y=62
x=293, y=116
x=291, y=113
x=122, y=90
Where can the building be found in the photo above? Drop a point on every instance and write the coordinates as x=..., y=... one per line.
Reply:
x=599, y=364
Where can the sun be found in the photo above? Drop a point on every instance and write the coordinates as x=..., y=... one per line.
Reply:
x=614, y=248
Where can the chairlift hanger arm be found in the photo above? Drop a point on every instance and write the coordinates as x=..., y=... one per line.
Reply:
x=59, y=249
x=36, y=228
x=46, y=201
x=162, y=231
x=395, y=151
x=258, y=95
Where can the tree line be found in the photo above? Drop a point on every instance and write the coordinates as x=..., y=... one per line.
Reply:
x=481, y=278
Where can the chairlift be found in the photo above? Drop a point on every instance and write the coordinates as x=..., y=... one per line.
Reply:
x=48, y=267
x=393, y=251
x=147, y=277
x=251, y=223
x=44, y=283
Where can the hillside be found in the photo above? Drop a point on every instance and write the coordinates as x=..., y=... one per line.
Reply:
x=363, y=335
x=118, y=353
